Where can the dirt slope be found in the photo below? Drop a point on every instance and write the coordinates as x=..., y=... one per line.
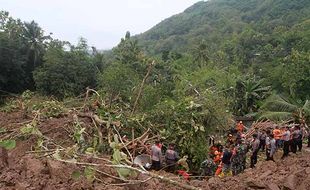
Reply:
x=291, y=173
x=21, y=170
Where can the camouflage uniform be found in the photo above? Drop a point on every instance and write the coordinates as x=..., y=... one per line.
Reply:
x=235, y=162
x=244, y=151
x=207, y=168
x=238, y=161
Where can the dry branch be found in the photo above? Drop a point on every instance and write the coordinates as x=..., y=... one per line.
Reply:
x=153, y=175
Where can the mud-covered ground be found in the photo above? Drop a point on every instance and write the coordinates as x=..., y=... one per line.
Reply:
x=21, y=169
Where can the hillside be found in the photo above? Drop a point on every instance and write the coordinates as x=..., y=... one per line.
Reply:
x=60, y=166
x=218, y=21
x=27, y=167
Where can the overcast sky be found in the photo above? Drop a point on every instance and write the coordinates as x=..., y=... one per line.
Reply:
x=101, y=22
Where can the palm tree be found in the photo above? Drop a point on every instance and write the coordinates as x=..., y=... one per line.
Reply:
x=35, y=39
x=278, y=108
x=248, y=93
x=200, y=54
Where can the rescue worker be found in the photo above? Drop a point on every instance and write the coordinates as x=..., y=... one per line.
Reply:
x=171, y=157
x=218, y=156
x=230, y=139
x=240, y=127
x=286, y=142
x=243, y=149
x=156, y=155
x=273, y=147
x=268, y=146
x=226, y=161
x=282, y=130
x=296, y=139
x=207, y=168
x=235, y=160
x=213, y=149
x=262, y=140
x=255, y=149
x=277, y=136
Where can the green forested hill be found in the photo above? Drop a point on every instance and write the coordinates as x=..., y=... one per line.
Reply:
x=217, y=21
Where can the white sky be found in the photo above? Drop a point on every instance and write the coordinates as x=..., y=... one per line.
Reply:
x=102, y=22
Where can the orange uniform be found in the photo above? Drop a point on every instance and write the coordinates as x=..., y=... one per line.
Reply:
x=240, y=127
x=218, y=156
x=277, y=134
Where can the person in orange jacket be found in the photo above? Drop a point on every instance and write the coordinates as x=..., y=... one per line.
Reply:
x=240, y=127
x=219, y=170
x=277, y=136
x=218, y=156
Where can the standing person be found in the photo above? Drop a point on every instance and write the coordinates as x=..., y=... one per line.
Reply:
x=291, y=146
x=282, y=131
x=262, y=140
x=286, y=142
x=255, y=149
x=243, y=149
x=277, y=134
x=297, y=139
x=235, y=160
x=230, y=139
x=171, y=158
x=268, y=146
x=240, y=127
x=156, y=155
x=227, y=154
x=273, y=147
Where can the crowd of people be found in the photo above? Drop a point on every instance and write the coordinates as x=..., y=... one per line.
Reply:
x=230, y=158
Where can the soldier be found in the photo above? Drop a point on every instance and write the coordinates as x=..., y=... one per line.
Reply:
x=244, y=149
x=207, y=168
x=235, y=161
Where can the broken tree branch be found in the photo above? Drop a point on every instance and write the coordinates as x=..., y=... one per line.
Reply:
x=153, y=175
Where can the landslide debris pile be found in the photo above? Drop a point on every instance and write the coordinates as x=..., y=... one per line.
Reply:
x=292, y=173
x=20, y=169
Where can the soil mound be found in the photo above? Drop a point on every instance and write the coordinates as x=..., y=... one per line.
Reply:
x=21, y=170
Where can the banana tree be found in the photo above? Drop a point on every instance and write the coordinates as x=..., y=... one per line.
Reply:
x=248, y=93
x=278, y=108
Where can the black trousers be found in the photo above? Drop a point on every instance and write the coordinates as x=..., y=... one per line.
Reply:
x=268, y=154
x=262, y=144
x=298, y=144
x=155, y=165
x=309, y=140
x=293, y=146
x=170, y=165
x=286, y=148
x=254, y=158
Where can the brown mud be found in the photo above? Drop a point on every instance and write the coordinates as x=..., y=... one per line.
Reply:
x=20, y=170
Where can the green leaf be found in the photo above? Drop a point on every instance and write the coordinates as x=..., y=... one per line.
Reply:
x=278, y=116
x=117, y=157
x=90, y=150
x=76, y=175
x=8, y=144
x=30, y=129
x=89, y=173
x=123, y=172
x=2, y=130
x=56, y=155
